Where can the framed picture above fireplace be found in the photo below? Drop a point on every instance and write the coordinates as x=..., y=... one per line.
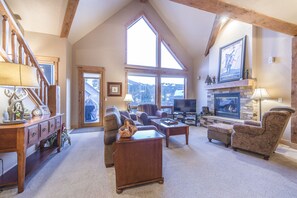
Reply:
x=231, y=62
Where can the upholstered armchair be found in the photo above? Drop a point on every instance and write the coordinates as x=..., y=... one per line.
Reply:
x=112, y=121
x=262, y=137
x=146, y=112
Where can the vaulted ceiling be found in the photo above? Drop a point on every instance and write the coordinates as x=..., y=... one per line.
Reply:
x=191, y=26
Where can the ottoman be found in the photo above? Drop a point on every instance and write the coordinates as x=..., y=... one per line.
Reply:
x=221, y=132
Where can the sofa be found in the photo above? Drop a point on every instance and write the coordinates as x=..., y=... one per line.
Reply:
x=262, y=137
x=112, y=121
x=146, y=112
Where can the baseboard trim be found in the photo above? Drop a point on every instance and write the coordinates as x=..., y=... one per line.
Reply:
x=288, y=143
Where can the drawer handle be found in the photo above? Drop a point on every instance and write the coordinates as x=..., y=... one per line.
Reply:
x=33, y=134
x=43, y=130
x=52, y=125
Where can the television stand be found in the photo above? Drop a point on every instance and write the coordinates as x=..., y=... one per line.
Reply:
x=189, y=118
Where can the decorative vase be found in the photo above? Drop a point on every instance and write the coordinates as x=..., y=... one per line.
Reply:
x=5, y=116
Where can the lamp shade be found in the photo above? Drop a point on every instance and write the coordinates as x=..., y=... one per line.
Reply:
x=128, y=98
x=18, y=75
x=260, y=93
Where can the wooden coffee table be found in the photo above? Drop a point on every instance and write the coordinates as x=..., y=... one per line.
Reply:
x=170, y=130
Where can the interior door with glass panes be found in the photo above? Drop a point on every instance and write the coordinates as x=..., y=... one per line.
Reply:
x=90, y=97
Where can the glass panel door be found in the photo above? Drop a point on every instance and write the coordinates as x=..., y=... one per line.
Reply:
x=91, y=97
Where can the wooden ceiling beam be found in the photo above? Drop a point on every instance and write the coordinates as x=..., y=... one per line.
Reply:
x=68, y=18
x=241, y=14
x=218, y=25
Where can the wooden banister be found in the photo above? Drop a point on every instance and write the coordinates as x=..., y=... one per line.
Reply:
x=21, y=53
x=15, y=28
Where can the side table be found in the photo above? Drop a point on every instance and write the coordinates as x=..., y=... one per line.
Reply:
x=138, y=160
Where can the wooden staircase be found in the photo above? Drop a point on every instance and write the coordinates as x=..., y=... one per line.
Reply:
x=15, y=49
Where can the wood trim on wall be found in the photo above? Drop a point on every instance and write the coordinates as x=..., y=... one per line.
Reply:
x=294, y=90
x=91, y=69
x=51, y=60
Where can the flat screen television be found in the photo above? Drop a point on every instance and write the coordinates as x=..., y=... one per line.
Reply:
x=184, y=105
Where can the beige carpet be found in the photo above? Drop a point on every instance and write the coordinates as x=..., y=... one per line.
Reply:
x=201, y=169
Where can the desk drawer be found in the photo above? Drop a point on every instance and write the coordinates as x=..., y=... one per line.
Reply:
x=43, y=129
x=52, y=126
x=32, y=134
x=58, y=123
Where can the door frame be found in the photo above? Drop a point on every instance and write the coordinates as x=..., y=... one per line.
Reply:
x=90, y=69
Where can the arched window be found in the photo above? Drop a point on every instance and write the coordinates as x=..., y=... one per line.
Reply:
x=141, y=44
x=155, y=74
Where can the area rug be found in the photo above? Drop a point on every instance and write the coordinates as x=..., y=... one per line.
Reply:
x=87, y=130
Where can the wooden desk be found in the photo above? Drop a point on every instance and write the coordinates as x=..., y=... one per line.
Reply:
x=138, y=160
x=18, y=137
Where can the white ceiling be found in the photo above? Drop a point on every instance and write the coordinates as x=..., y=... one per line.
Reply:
x=91, y=13
x=43, y=16
x=191, y=26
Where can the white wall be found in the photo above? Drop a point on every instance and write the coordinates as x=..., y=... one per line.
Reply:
x=275, y=77
x=105, y=47
x=260, y=44
x=50, y=45
x=209, y=65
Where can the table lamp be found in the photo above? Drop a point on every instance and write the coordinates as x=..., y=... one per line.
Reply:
x=17, y=76
x=259, y=94
x=128, y=98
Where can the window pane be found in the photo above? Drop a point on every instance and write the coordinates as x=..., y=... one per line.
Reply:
x=141, y=44
x=167, y=58
x=172, y=88
x=92, y=98
x=48, y=70
x=142, y=88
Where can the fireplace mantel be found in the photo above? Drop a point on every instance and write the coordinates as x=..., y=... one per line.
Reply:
x=239, y=83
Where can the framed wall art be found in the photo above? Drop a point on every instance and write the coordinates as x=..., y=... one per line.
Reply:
x=114, y=89
x=231, y=61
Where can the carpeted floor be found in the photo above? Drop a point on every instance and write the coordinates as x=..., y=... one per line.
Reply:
x=201, y=169
x=87, y=130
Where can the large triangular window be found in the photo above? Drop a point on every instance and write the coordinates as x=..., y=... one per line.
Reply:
x=168, y=59
x=144, y=48
x=141, y=44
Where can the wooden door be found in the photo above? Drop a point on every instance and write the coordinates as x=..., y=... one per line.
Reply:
x=91, y=97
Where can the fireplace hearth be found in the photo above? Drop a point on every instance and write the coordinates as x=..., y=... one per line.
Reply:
x=227, y=104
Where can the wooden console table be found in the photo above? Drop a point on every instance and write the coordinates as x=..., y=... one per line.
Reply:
x=138, y=160
x=19, y=137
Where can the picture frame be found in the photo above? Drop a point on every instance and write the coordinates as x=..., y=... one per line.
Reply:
x=114, y=89
x=231, y=61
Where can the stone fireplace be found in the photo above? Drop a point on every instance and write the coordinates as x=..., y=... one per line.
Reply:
x=227, y=105
x=239, y=92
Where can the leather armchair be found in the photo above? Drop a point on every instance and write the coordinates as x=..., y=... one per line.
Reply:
x=262, y=137
x=146, y=112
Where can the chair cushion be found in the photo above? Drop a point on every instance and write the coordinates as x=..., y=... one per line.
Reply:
x=221, y=128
